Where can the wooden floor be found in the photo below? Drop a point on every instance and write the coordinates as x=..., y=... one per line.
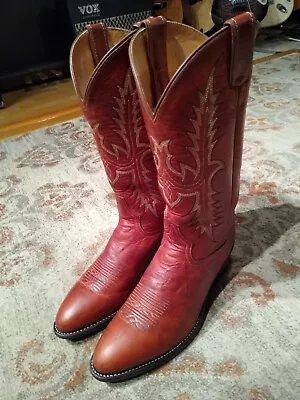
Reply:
x=44, y=105
x=32, y=108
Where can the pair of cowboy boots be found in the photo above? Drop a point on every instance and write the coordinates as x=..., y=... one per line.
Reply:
x=167, y=109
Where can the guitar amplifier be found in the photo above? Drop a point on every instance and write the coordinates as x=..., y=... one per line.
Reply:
x=114, y=13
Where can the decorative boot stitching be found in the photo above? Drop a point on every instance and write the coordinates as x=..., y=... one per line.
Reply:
x=178, y=186
x=128, y=147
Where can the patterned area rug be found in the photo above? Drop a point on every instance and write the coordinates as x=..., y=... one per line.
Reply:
x=57, y=212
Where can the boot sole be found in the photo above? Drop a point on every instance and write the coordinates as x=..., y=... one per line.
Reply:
x=168, y=356
x=85, y=332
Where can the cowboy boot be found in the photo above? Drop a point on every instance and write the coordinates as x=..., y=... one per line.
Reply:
x=193, y=92
x=105, y=86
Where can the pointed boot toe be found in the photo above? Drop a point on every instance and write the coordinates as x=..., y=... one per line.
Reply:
x=119, y=353
x=81, y=315
x=131, y=345
x=108, y=358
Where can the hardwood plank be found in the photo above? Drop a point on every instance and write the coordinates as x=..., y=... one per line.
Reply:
x=276, y=55
x=38, y=106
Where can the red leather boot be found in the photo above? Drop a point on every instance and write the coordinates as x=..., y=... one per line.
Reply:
x=105, y=86
x=193, y=93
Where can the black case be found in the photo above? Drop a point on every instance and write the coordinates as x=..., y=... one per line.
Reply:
x=114, y=13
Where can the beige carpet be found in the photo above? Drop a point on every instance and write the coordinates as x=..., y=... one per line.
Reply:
x=56, y=213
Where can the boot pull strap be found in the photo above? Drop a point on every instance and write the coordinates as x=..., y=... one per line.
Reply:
x=156, y=31
x=98, y=40
x=243, y=29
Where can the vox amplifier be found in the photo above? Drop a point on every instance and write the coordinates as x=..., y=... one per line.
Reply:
x=114, y=13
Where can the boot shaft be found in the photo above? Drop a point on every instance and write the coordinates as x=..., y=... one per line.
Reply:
x=196, y=121
x=106, y=89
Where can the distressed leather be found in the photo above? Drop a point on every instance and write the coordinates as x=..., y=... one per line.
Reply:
x=196, y=133
x=106, y=89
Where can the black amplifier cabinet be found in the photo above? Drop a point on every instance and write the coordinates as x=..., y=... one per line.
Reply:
x=36, y=36
x=114, y=13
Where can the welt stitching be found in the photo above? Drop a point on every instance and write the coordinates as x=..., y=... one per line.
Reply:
x=87, y=327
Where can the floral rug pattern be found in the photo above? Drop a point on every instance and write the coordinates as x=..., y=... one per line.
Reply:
x=57, y=212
